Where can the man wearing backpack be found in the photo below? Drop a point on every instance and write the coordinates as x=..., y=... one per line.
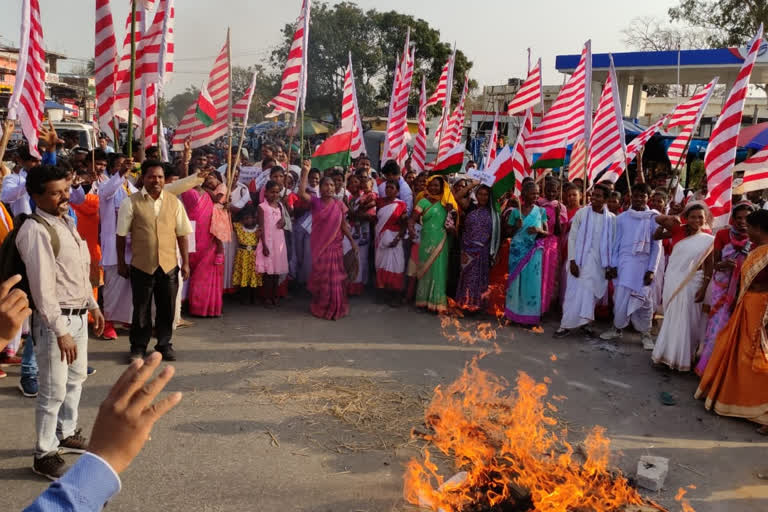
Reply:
x=60, y=289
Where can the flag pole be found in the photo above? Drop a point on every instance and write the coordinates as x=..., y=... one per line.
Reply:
x=157, y=113
x=230, y=173
x=676, y=170
x=8, y=127
x=132, y=89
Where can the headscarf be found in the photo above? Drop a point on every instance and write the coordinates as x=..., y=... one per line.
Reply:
x=445, y=197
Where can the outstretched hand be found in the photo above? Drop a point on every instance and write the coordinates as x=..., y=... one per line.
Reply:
x=127, y=415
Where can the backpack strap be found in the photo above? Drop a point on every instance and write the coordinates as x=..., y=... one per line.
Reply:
x=55, y=242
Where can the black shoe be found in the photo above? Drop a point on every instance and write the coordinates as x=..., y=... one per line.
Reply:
x=75, y=443
x=561, y=333
x=51, y=466
x=587, y=331
x=91, y=370
x=168, y=354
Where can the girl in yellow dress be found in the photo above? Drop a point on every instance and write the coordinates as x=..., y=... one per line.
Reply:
x=244, y=275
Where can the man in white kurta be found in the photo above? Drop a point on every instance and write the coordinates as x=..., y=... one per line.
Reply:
x=118, y=306
x=636, y=257
x=590, y=243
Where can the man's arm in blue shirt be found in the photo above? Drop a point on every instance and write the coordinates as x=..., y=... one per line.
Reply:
x=86, y=487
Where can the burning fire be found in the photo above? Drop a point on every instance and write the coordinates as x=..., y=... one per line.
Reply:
x=506, y=446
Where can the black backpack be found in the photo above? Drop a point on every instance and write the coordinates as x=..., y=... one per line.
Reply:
x=10, y=259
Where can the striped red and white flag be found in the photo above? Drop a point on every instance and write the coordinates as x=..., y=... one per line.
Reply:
x=615, y=171
x=607, y=144
x=691, y=111
x=218, y=88
x=157, y=45
x=350, y=113
x=493, y=141
x=570, y=117
x=149, y=99
x=721, y=151
x=123, y=76
x=577, y=166
x=755, y=169
x=105, y=66
x=28, y=100
x=529, y=95
x=293, y=87
x=397, y=123
x=455, y=127
x=242, y=108
x=419, y=155
x=400, y=136
x=677, y=152
x=521, y=163
x=386, y=152
x=443, y=84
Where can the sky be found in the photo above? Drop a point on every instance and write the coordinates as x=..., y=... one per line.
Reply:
x=493, y=33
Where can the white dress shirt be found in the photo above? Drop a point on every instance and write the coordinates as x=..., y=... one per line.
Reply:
x=111, y=194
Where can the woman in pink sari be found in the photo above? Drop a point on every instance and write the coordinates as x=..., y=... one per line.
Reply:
x=557, y=220
x=206, y=277
x=326, y=282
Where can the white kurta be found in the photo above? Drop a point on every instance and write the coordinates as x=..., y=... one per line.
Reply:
x=584, y=292
x=684, y=322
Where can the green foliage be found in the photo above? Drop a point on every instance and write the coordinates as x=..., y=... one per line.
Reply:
x=696, y=174
x=173, y=110
x=733, y=22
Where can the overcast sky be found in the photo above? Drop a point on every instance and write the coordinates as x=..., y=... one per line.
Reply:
x=493, y=33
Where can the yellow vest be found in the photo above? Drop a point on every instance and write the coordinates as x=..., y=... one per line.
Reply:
x=153, y=238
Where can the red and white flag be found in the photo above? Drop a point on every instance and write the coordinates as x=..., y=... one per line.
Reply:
x=755, y=170
x=570, y=117
x=690, y=112
x=441, y=94
x=105, y=66
x=149, y=100
x=397, y=123
x=242, y=108
x=493, y=141
x=453, y=132
x=615, y=171
x=607, y=144
x=419, y=156
x=293, y=87
x=218, y=88
x=521, y=163
x=529, y=95
x=350, y=113
x=28, y=100
x=123, y=76
x=688, y=116
x=721, y=151
x=157, y=47
x=577, y=166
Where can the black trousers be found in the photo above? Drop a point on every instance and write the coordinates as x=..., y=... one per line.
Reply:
x=163, y=287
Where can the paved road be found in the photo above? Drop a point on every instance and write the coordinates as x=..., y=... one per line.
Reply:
x=283, y=412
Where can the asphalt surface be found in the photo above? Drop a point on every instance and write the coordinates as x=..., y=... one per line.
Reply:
x=284, y=412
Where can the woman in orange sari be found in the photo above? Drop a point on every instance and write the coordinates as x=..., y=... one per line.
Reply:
x=735, y=382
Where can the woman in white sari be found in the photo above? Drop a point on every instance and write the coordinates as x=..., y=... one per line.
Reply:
x=686, y=279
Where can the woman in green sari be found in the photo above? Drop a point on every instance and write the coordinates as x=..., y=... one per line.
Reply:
x=432, y=208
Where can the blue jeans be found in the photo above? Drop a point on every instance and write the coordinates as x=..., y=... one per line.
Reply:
x=28, y=359
x=59, y=384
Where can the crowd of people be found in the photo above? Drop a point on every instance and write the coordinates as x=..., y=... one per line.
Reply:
x=124, y=243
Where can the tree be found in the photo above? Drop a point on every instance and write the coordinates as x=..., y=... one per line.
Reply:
x=264, y=90
x=729, y=22
x=173, y=110
x=374, y=39
x=652, y=34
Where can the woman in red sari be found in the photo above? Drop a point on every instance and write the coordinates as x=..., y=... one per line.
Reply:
x=206, y=264
x=326, y=282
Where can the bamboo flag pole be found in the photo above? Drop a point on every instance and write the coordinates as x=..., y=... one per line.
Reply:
x=8, y=126
x=129, y=151
x=230, y=173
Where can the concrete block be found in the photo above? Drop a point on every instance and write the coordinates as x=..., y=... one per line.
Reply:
x=651, y=472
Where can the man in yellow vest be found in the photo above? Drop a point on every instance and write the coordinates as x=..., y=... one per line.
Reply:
x=157, y=223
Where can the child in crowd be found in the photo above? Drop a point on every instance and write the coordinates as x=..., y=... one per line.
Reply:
x=614, y=203
x=245, y=277
x=271, y=253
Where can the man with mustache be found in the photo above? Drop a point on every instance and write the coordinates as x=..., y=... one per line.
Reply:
x=58, y=264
